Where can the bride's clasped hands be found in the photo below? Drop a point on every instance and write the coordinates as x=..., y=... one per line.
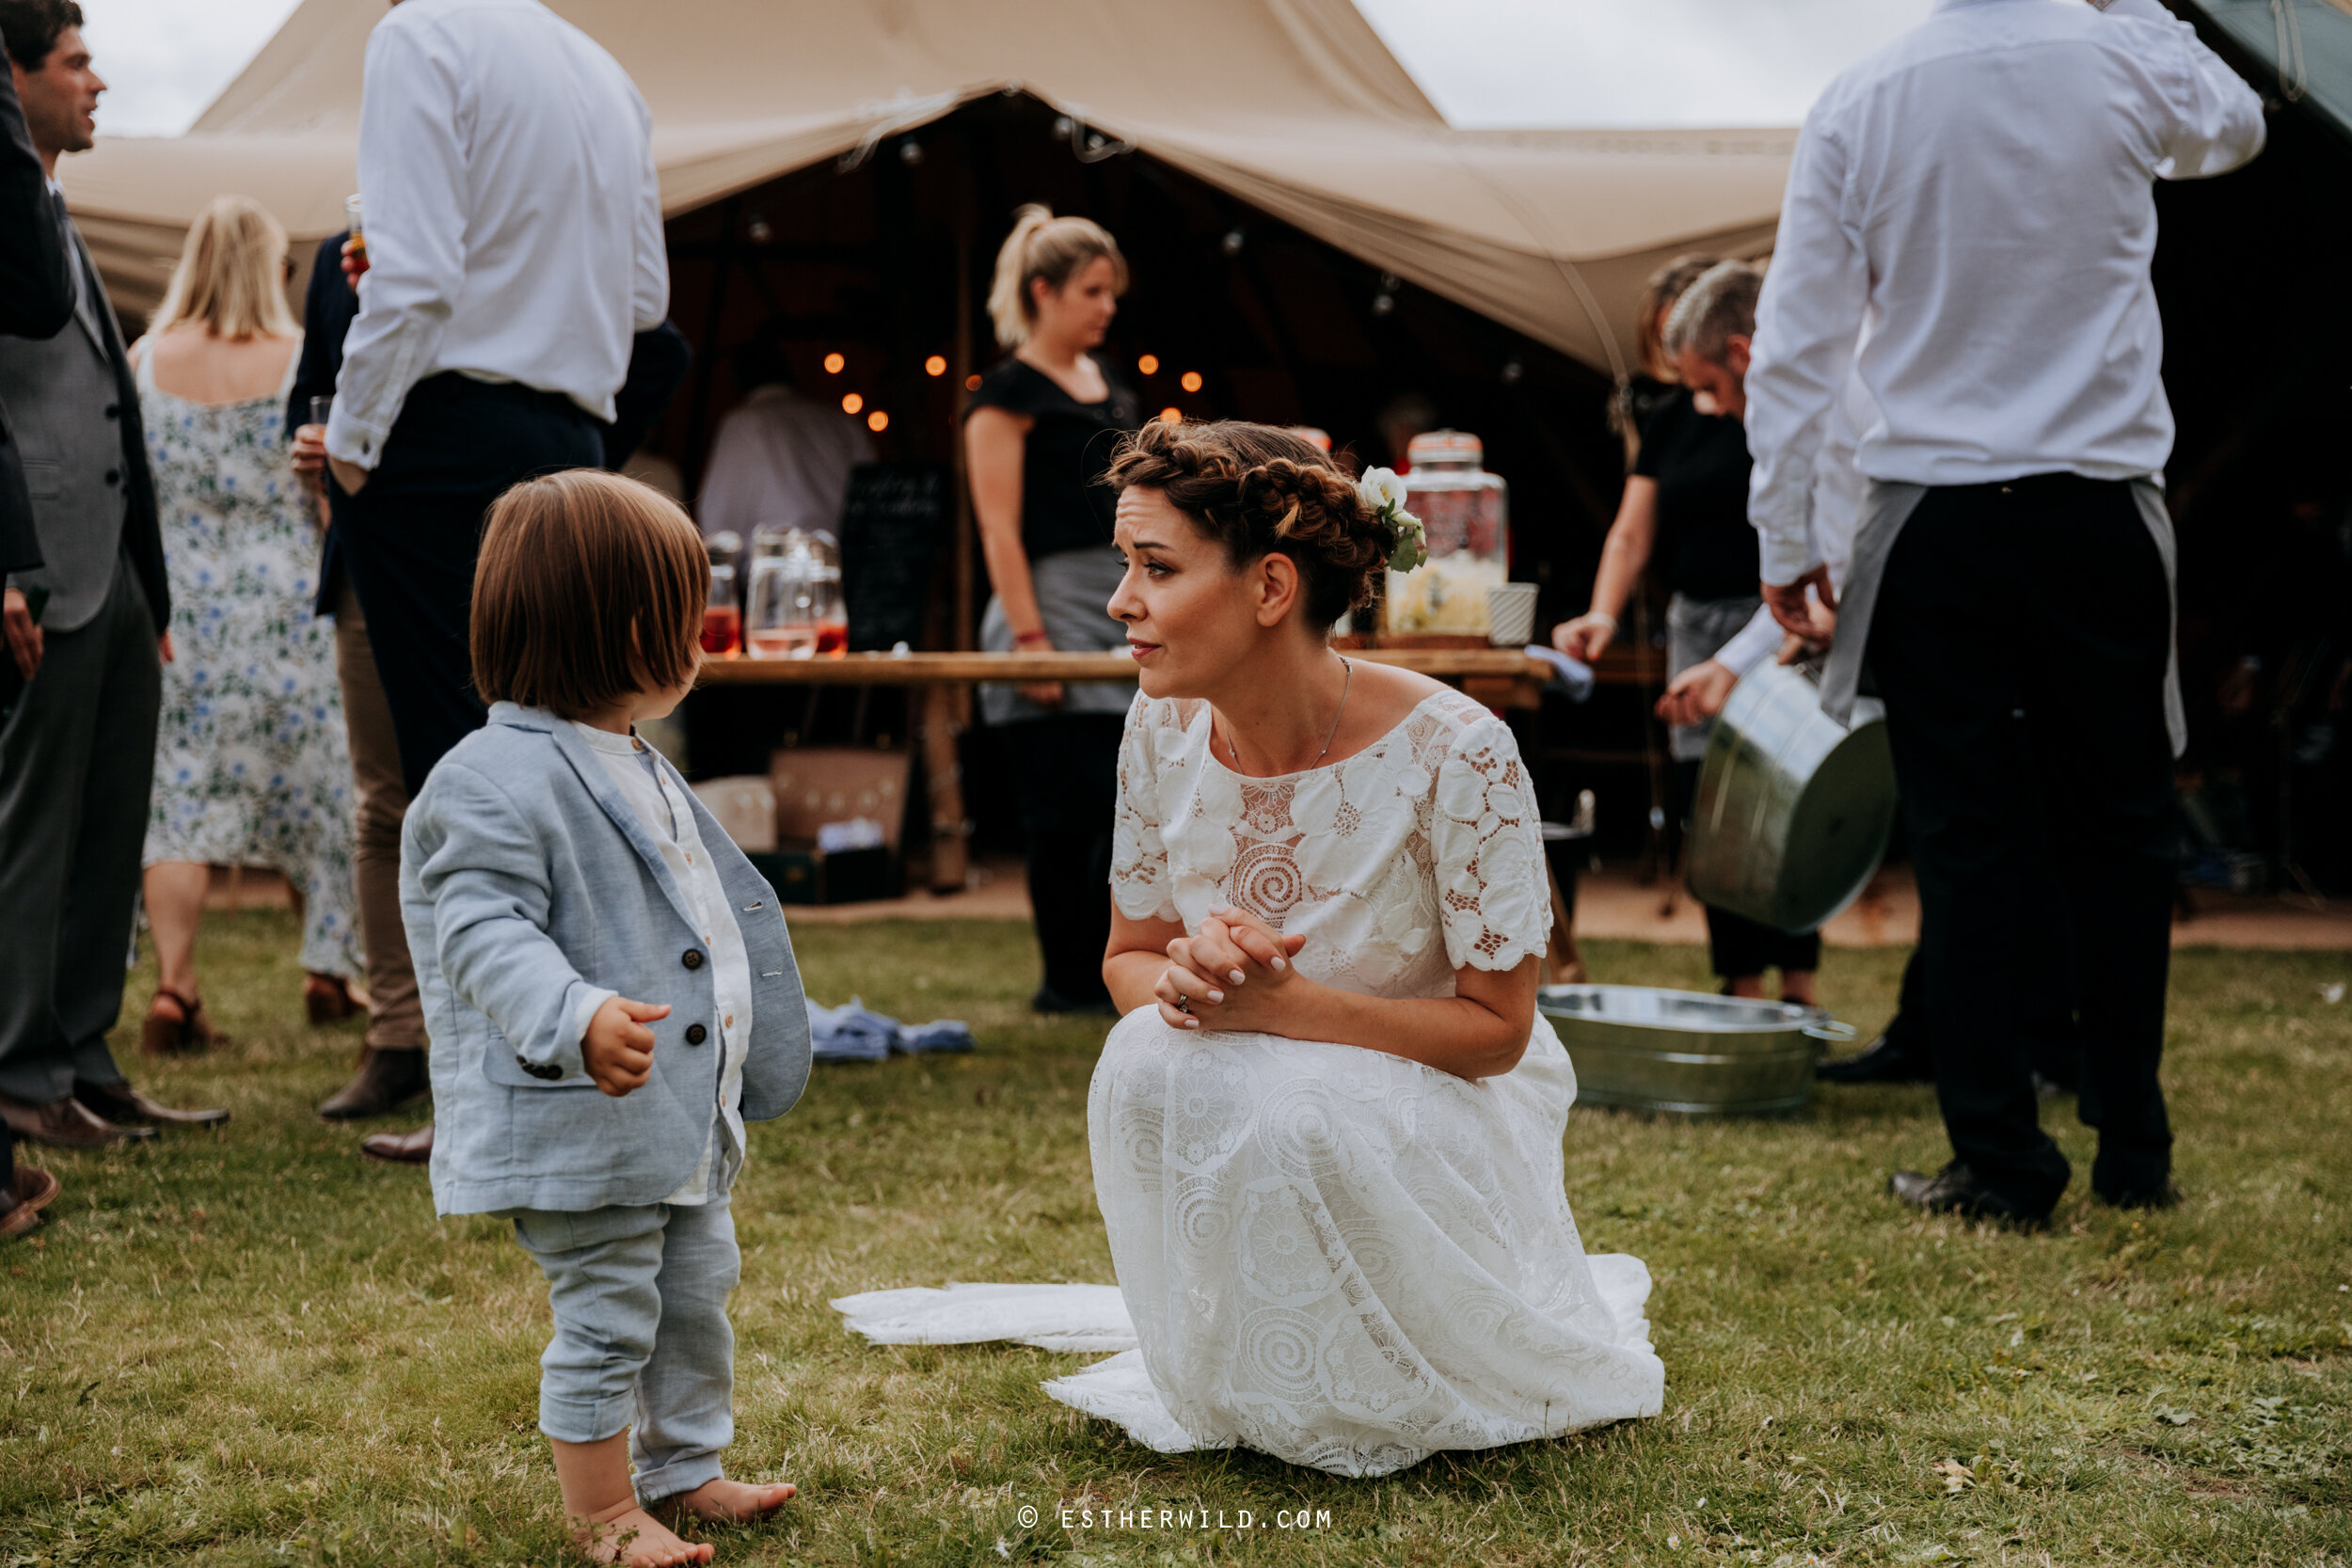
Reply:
x=1234, y=972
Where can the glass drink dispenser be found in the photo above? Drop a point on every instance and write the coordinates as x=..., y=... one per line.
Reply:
x=1466, y=513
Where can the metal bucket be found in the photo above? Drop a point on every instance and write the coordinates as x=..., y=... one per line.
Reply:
x=1793, y=809
x=1686, y=1052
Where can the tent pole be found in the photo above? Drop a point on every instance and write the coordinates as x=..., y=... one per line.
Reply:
x=947, y=709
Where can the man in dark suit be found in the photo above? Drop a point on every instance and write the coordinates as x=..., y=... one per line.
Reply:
x=35, y=301
x=78, y=753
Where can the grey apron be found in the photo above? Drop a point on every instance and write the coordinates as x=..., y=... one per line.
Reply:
x=1886, y=506
x=1697, y=630
x=1073, y=591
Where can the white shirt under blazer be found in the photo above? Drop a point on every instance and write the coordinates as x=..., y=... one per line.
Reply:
x=1979, y=195
x=511, y=212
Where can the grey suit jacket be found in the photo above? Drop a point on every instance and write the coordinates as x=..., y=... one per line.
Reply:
x=74, y=410
x=527, y=883
x=35, y=301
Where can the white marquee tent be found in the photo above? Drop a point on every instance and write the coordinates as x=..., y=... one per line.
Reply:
x=1294, y=107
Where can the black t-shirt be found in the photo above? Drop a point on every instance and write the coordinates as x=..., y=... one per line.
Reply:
x=1704, y=546
x=1070, y=444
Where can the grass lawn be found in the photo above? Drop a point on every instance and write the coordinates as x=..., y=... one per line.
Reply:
x=253, y=1347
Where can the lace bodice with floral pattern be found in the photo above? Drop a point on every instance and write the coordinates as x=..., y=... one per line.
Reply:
x=1418, y=856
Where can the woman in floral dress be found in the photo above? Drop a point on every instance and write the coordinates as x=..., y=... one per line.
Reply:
x=252, y=765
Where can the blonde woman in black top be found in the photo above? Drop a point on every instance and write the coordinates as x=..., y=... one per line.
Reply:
x=1038, y=435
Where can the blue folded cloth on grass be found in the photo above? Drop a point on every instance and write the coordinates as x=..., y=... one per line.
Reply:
x=856, y=1033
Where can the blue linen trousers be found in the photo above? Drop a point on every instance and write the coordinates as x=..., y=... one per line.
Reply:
x=642, y=1339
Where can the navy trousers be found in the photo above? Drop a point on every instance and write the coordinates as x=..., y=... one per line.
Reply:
x=2020, y=642
x=409, y=540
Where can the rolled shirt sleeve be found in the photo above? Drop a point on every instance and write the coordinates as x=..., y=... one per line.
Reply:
x=413, y=180
x=2216, y=119
x=1808, y=320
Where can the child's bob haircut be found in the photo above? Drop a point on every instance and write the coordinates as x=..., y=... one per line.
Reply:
x=590, y=587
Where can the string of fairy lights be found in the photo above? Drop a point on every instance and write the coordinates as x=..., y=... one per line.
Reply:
x=878, y=420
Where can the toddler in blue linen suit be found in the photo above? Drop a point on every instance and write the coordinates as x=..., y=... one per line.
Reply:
x=610, y=993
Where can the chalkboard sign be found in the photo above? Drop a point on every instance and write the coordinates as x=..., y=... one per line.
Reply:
x=891, y=522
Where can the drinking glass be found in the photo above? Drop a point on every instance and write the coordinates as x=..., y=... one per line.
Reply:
x=722, y=619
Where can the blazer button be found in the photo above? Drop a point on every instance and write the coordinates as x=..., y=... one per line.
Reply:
x=691, y=957
x=697, y=1034
x=114, y=476
x=114, y=411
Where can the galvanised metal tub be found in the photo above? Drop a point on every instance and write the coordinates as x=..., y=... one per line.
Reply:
x=1688, y=1053
x=1793, y=808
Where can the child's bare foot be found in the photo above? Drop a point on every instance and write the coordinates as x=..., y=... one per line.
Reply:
x=633, y=1537
x=733, y=1502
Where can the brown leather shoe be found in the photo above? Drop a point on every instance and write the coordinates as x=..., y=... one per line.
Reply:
x=22, y=1200
x=120, y=1103
x=65, y=1124
x=386, y=1081
x=400, y=1149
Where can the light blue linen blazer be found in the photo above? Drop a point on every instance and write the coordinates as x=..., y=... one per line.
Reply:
x=527, y=885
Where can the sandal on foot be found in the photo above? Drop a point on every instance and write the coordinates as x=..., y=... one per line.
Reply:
x=190, y=1033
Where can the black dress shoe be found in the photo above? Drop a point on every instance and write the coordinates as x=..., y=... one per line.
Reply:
x=2165, y=1196
x=388, y=1079
x=1956, y=1190
x=399, y=1148
x=120, y=1103
x=1882, y=1061
x=65, y=1124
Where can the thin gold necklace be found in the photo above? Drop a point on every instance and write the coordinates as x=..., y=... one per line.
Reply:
x=1347, y=682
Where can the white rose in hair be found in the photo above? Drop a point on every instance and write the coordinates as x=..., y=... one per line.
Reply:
x=1381, y=487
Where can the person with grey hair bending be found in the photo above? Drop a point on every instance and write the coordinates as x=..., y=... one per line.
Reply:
x=1038, y=436
x=1686, y=507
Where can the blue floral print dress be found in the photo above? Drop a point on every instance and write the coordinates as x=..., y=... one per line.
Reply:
x=252, y=765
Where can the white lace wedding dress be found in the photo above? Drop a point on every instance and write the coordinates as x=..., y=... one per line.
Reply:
x=1332, y=1255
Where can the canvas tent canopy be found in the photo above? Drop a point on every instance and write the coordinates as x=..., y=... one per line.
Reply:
x=1294, y=107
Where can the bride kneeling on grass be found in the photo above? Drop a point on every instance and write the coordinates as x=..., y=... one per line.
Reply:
x=1327, y=1132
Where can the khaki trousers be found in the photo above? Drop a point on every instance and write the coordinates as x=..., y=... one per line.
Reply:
x=399, y=1022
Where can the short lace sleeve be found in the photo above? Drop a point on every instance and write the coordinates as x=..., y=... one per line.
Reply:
x=1139, y=879
x=1487, y=843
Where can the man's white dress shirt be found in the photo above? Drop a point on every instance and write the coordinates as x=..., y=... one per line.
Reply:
x=780, y=459
x=1979, y=191
x=511, y=212
x=662, y=806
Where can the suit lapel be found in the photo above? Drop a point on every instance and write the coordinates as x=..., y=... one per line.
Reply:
x=615, y=805
x=86, y=295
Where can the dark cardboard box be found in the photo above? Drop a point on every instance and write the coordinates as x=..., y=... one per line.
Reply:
x=803, y=874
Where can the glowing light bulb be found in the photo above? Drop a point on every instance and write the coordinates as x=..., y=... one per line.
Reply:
x=1149, y=364
x=1171, y=416
x=851, y=404
x=1191, y=382
x=833, y=362
x=935, y=365
x=878, y=421
x=971, y=383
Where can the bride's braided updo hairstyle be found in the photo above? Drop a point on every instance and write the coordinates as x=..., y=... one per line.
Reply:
x=1260, y=491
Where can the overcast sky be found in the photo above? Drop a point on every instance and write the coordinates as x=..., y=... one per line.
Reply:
x=1483, y=62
